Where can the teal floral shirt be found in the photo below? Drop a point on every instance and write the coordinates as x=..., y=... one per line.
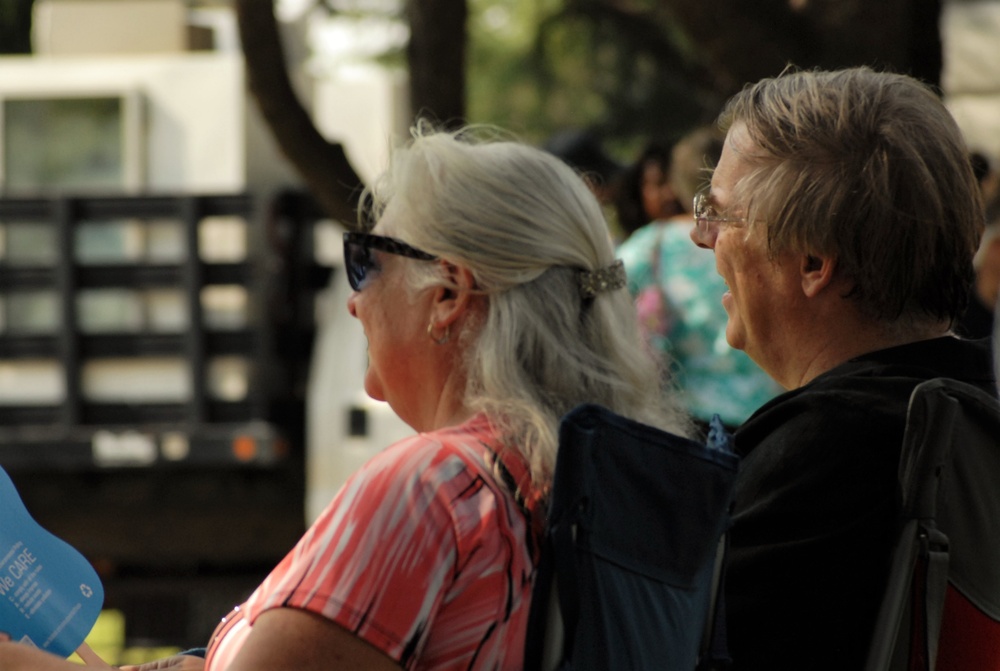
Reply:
x=679, y=303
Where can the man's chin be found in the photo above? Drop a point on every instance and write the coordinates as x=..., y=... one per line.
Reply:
x=734, y=338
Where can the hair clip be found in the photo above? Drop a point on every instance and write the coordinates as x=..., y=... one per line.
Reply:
x=592, y=282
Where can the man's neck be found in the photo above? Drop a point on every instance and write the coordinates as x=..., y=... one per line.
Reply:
x=851, y=340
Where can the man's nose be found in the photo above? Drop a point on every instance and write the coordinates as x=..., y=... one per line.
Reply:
x=704, y=233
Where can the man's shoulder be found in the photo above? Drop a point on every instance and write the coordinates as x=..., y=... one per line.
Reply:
x=867, y=395
x=834, y=413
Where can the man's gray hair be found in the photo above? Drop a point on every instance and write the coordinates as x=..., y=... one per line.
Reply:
x=870, y=168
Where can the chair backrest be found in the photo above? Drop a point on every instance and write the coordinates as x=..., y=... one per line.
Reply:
x=996, y=344
x=635, y=520
x=941, y=608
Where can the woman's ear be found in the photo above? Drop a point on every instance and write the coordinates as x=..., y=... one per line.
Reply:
x=453, y=299
x=817, y=273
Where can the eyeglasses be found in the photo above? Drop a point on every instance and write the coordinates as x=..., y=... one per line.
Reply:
x=359, y=260
x=706, y=216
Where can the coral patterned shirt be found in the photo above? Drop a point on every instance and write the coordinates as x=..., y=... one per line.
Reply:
x=424, y=553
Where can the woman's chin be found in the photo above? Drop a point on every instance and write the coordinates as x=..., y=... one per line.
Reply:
x=373, y=389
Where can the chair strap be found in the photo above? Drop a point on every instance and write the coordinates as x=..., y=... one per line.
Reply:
x=931, y=586
x=937, y=588
x=534, y=645
x=714, y=654
x=564, y=555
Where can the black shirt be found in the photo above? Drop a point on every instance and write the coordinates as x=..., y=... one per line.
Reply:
x=816, y=506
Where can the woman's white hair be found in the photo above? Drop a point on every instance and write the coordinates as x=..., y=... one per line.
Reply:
x=524, y=224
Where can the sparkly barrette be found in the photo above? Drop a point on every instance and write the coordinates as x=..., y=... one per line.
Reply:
x=609, y=278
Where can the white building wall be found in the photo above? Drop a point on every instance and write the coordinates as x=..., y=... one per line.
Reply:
x=971, y=75
x=365, y=107
x=201, y=133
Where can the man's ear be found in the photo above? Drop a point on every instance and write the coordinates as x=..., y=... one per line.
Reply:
x=817, y=273
x=454, y=299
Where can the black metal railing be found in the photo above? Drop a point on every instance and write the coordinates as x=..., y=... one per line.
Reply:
x=274, y=343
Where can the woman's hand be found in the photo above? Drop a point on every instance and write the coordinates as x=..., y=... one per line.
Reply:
x=175, y=663
x=18, y=657
x=21, y=657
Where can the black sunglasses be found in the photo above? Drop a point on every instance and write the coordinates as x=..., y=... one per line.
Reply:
x=359, y=260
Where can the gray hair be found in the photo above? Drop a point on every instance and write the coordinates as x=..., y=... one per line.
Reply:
x=524, y=224
x=871, y=168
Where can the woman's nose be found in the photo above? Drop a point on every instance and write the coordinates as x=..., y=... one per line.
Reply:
x=351, y=304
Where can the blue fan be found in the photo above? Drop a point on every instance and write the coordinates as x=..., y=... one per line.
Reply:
x=50, y=595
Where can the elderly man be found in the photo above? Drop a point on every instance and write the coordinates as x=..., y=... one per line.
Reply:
x=844, y=216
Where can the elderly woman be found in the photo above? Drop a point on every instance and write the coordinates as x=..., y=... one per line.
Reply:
x=492, y=304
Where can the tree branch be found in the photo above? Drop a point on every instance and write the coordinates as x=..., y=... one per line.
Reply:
x=323, y=165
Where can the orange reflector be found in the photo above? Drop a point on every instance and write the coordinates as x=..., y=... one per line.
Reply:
x=244, y=448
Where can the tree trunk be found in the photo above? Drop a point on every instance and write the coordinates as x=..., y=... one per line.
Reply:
x=15, y=26
x=436, y=55
x=323, y=165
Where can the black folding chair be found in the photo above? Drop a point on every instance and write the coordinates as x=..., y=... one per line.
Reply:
x=941, y=608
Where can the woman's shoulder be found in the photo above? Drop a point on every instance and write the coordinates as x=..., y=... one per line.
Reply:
x=431, y=460
x=466, y=441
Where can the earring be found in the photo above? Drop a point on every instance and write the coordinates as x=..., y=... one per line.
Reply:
x=443, y=339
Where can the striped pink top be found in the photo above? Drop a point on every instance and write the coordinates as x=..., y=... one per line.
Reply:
x=424, y=553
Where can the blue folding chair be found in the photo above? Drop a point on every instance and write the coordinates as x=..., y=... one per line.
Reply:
x=629, y=570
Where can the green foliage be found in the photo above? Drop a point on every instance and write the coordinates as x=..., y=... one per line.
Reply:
x=539, y=67
x=501, y=78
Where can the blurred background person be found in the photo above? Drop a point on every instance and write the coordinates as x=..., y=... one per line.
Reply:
x=678, y=290
x=977, y=320
x=582, y=150
x=985, y=170
x=645, y=193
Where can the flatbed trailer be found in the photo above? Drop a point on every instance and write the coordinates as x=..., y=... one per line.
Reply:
x=182, y=491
